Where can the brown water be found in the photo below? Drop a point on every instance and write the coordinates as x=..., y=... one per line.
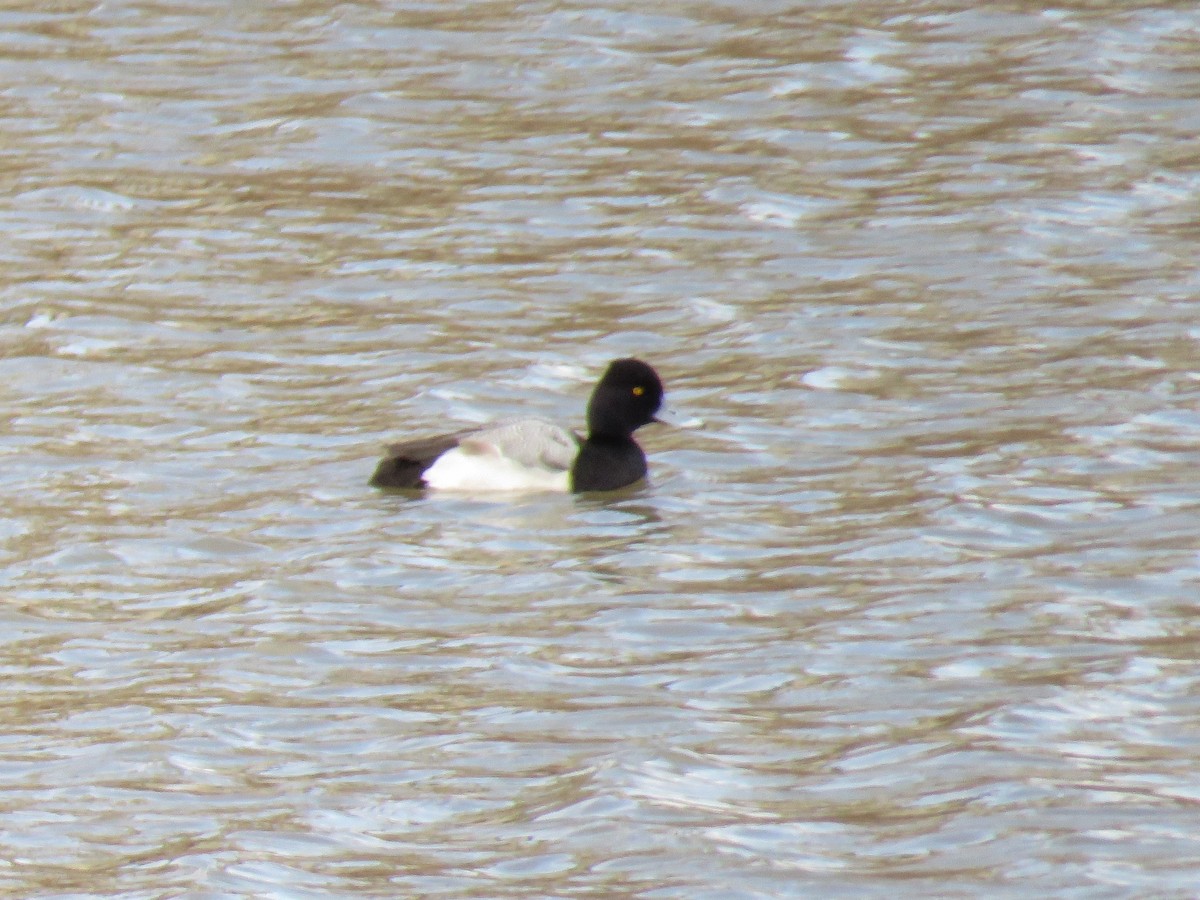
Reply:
x=913, y=612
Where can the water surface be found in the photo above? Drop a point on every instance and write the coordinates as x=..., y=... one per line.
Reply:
x=911, y=612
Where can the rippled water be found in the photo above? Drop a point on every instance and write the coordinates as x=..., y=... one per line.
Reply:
x=913, y=611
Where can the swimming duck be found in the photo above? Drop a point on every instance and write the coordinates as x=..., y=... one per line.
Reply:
x=534, y=454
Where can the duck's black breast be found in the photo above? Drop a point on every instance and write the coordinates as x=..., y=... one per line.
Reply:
x=605, y=465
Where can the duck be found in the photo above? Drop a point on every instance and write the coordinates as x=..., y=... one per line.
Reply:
x=531, y=454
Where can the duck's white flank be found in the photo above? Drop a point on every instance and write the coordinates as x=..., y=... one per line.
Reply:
x=524, y=455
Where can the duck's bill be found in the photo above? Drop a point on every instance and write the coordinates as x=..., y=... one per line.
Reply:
x=675, y=420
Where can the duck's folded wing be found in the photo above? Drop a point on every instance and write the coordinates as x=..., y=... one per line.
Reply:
x=533, y=443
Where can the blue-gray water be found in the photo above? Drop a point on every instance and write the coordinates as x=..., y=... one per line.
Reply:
x=912, y=612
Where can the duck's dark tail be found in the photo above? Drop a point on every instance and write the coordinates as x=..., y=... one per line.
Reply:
x=405, y=464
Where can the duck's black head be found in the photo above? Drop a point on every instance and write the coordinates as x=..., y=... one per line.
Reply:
x=627, y=397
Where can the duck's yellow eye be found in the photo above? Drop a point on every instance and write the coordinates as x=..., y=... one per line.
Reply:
x=638, y=391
